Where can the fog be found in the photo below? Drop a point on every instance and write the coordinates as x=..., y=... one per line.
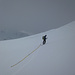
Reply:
x=35, y=16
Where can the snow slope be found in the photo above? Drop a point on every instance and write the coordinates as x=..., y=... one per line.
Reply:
x=56, y=57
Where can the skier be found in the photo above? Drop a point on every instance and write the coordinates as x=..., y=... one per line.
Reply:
x=44, y=39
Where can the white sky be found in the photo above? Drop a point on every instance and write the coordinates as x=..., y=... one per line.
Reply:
x=56, y=57
x=34, y=16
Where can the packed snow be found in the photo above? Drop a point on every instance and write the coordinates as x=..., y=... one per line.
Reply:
x=56, y=57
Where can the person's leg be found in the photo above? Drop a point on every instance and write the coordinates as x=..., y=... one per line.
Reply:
x=44, y=42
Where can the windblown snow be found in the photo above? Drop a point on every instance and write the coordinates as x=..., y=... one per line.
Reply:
x=56, y=57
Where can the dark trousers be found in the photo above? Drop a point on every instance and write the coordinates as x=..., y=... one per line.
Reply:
x=44, y=41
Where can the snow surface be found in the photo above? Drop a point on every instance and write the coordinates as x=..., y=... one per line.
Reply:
x=56, y=57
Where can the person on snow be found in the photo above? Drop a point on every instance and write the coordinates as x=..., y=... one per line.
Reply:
x=44, y=39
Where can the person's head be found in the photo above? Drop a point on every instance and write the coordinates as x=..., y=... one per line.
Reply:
x=45, y=35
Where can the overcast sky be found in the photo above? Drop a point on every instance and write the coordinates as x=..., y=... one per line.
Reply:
x=35, y=16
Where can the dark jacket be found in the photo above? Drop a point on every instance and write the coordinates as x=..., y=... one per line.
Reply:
x=44, y=38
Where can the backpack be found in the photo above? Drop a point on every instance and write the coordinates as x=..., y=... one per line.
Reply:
x=43, y=37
